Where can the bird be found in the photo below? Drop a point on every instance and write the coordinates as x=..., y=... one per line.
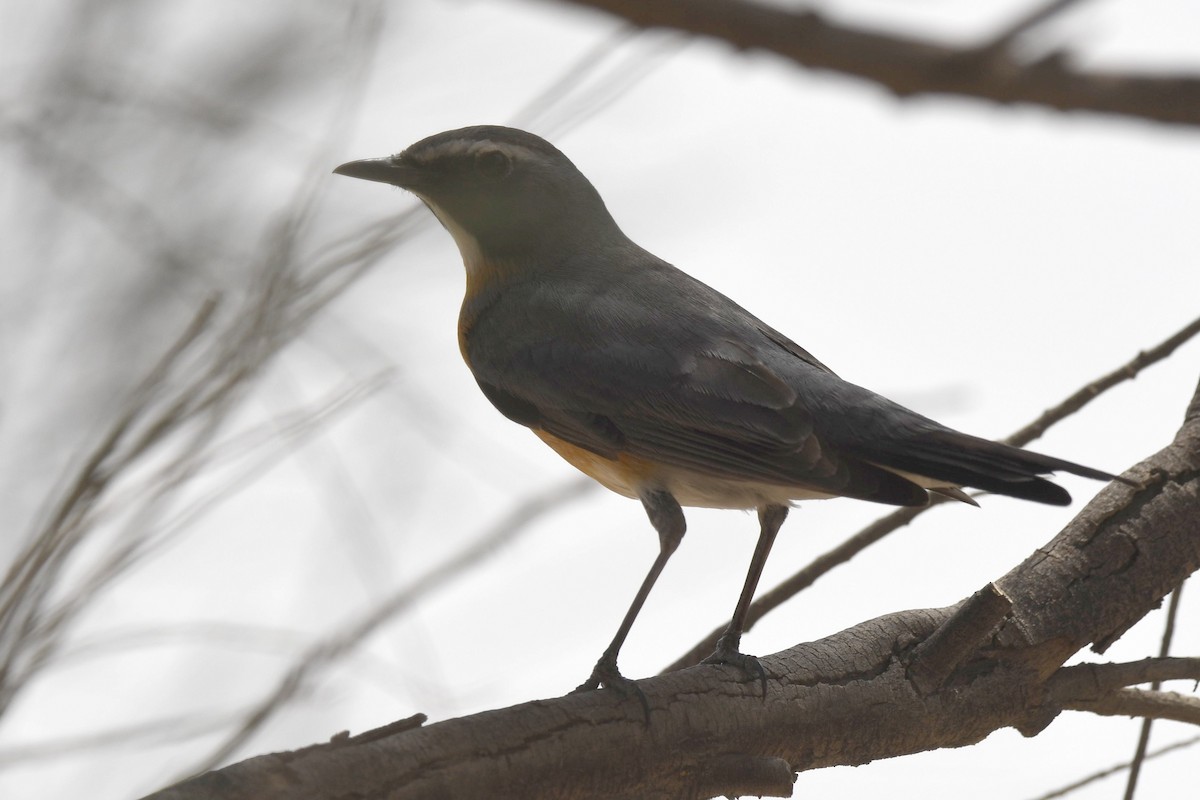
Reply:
x=658, y=386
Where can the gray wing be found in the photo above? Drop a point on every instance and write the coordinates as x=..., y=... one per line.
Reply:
x=676, y=374
x=662, y=367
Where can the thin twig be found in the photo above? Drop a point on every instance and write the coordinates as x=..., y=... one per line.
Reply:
x=143, y=735
x=1102, y=384
x=1028, y=22
x=1143, y=743
x=1104, y=773
x=544, y=101
x=181, y=406
x=32, y=575
x=1083, y=681
x=1143, y=703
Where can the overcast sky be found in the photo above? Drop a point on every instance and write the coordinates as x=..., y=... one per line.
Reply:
x=977, y=263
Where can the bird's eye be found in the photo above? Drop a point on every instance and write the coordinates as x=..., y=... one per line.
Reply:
x=493, y=164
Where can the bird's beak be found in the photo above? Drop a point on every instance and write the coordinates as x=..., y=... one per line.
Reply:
x=384, y=170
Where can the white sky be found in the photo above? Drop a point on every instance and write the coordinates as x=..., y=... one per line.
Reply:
x=977, y=263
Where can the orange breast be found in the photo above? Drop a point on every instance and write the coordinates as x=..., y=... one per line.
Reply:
x=628, y=475
x=625, y=474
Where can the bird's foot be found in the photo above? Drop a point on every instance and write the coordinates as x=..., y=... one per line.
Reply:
x=727, y=653
x=605, y=674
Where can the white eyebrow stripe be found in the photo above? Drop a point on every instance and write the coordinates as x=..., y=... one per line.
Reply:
x=470, y=147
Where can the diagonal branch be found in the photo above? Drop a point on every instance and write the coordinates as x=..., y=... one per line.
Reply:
x=1125, y=372
x=1027, y=22
x=1104, y=773
x=908, y=66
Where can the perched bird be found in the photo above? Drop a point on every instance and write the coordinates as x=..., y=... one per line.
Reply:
x=656, y=385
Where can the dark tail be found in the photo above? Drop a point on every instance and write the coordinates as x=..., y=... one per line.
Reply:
x=967, y=460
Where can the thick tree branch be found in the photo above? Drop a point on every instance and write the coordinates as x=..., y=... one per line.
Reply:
x=1094, y=581
x=908, y=66
x=711, y=733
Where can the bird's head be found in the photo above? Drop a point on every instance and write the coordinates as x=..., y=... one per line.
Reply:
x=501, y=192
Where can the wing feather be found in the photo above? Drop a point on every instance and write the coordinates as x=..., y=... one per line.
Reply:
x=648, y=361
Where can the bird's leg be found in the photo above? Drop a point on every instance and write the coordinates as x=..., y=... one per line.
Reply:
x=770, y=519
x=667, y=518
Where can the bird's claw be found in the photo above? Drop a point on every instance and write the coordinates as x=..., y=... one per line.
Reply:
x=605, y=674
x=750, y=666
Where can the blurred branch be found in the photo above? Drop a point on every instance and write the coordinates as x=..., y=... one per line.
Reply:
x=322, y=654
x=897, y=519
x=908, y=67
x=195, y=633
x=544, y=102
x=152, y=733
x=1032, y=19
x=255, y=451
x=166, y=433
x=570, y=100
x=32, y=574
x=44, y=621
x=77, y=182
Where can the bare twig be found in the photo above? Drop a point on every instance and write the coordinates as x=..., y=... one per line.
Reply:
x=529, y=115
x=1084, y=681
x=1125, y=372
x=1104, y=773
x=152, y=733
x=31, y=577
x=1164, y=650
x=195, y=633
x=1143, y=703
x=1027, y=22
x=174, y=416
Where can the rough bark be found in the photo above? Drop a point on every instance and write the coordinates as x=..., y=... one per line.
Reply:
x=903, y=683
